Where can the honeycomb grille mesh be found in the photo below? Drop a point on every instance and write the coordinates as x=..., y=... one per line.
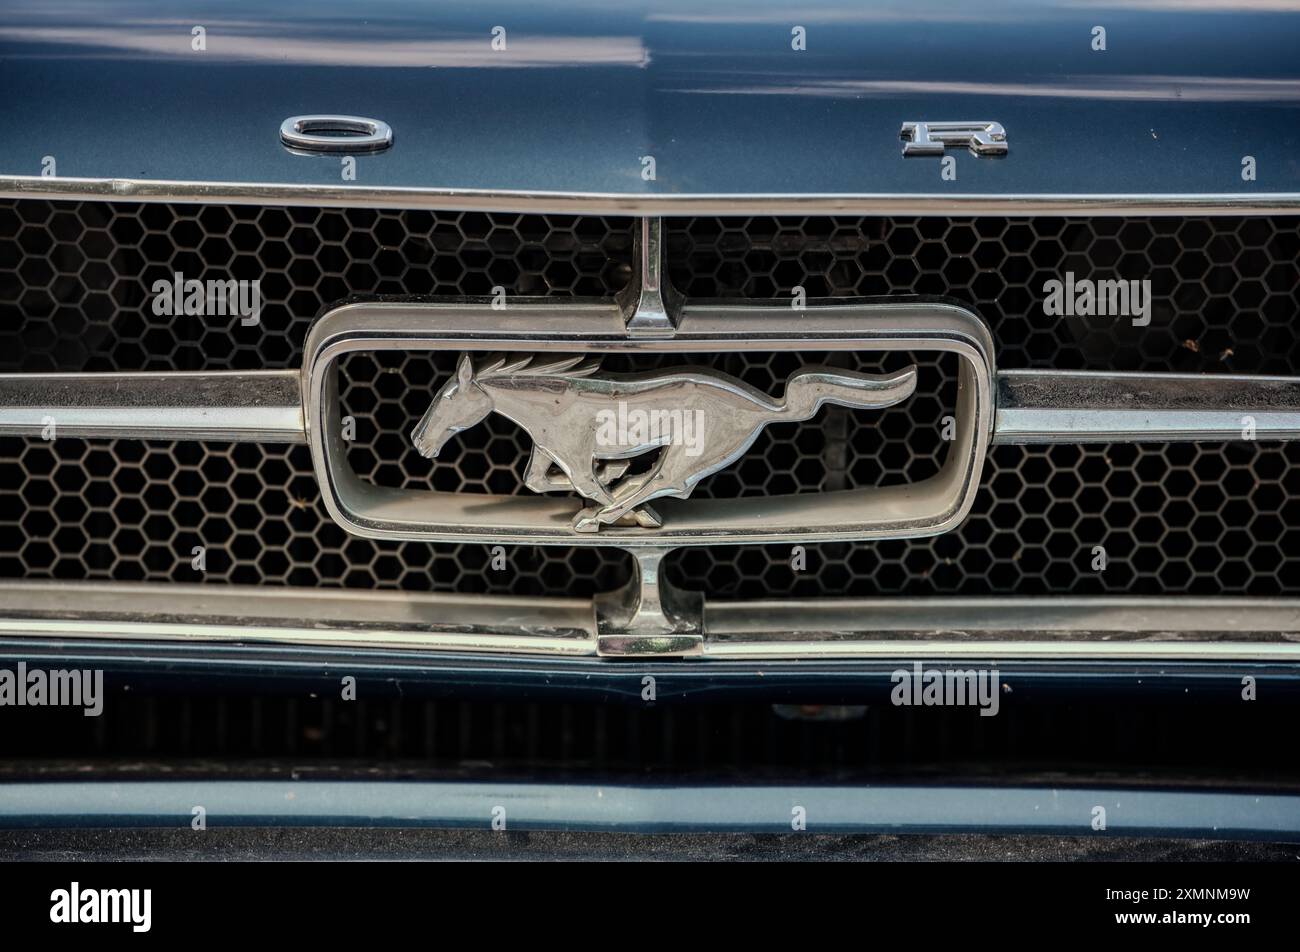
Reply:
x=1181, y=518
x=77, y=278
x=75, y=293
x=1225, y=292
x=129, y=510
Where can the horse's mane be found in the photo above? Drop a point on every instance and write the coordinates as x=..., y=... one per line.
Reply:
x=535, y=365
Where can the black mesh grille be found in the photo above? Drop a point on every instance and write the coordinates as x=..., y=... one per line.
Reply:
x=75, y=294
x=1181, y=518
x=1225, y=291
x=77, y=278
x=128, y=510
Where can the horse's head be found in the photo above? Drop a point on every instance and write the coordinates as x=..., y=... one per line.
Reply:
x=460, y=404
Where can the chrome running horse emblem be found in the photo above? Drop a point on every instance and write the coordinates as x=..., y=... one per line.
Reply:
x=588, y=428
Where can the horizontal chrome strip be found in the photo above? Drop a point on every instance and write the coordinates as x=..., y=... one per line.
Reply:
x=596, y=203
x=1087, y=407
x=999, y=629
x=260, y=406
x=1047, y=627
x=327, y=617
x=1032, y=406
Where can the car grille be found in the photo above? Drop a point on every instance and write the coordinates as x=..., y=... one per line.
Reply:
x=75, y=280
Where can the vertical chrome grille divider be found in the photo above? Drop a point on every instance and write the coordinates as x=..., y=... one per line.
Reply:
x=648, y=615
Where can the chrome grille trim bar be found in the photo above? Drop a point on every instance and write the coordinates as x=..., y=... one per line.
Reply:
x=1095, y=628
x=1088, y=407
x=301, y=616
x=1033, y=406
x=1025, y=627
x=610, y=203
x=258, y=406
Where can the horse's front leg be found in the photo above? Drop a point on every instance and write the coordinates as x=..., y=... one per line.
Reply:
x=612, y=470
x=538, y=476
x=545, y=475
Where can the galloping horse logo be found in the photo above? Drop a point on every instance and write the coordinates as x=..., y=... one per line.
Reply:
x=700, y=422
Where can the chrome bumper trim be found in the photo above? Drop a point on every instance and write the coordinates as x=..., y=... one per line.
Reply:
x=995, y=629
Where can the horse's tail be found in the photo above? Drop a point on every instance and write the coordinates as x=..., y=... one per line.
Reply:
x=807, y=390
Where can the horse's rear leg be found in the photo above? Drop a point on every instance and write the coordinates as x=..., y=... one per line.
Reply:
x=595, y=490
x=686, y=471
x=639, y=490
x=591, y=518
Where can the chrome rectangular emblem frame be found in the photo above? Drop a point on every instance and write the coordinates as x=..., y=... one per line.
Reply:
x=927, y=507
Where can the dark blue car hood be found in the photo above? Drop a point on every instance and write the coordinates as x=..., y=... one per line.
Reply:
x=712, y=89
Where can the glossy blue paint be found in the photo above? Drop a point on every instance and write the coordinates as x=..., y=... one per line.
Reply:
x=714, y=92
